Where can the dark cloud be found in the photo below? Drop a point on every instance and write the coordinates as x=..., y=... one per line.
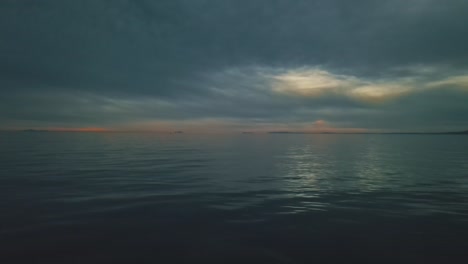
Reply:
x=83, y=63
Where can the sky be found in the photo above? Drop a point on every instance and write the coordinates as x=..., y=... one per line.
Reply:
x=234, y=65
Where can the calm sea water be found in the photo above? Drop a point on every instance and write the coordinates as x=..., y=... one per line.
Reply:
x=146, y=198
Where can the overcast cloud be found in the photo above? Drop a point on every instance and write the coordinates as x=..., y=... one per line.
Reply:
x=234, y=64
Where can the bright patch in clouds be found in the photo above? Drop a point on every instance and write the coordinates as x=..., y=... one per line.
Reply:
x=317, y=82
x=460, y=81
x=310, y=82
x=375, y=93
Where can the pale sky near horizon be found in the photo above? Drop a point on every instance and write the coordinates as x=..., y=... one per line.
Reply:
x=234, y=65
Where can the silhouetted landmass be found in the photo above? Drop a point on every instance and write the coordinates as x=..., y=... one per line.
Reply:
x=290, y=132
x=372, y=133
x=299, y=132
x=460, y=132
x=34, y=130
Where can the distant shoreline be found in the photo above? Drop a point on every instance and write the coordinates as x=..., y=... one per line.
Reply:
x=247, y=132
x=372, y=133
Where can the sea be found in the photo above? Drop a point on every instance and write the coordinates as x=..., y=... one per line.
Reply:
x=89, y=198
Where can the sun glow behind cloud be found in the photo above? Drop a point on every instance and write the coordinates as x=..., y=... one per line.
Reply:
x=459, y=81
x=310, y=82
x=317, y=82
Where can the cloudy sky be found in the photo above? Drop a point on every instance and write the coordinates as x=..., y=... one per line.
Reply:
x=234, y=65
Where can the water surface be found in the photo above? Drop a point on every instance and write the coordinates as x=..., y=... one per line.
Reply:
x=148, y=198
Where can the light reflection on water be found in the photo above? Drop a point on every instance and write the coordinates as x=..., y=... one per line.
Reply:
x=316, y=168
x=273, y=198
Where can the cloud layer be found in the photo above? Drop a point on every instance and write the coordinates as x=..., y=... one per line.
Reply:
x=234, y=65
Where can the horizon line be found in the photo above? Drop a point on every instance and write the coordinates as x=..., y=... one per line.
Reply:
x=102, y=130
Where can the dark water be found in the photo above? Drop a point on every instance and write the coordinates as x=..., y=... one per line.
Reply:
x=144, y=198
